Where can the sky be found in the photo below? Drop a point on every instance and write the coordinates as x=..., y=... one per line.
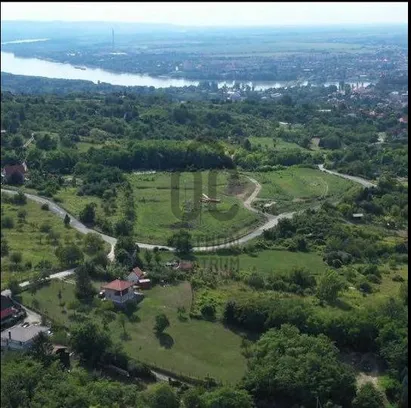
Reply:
x=212, y=14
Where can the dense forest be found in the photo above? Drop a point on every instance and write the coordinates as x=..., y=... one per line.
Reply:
x=347, y=143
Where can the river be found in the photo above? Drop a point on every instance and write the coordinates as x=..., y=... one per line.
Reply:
x=48, y=69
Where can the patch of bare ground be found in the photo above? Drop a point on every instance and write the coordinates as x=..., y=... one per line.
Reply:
x=241, y=189
x=368, y=368
x=315, y=143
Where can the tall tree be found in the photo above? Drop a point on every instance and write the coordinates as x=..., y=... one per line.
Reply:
x=293, y=368
x=84, y=288
x=42, y=349
x=89, y=342
x=161, y=324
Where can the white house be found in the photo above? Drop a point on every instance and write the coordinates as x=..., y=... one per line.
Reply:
x=20, y=338
x=119, y=291
x=136, y=275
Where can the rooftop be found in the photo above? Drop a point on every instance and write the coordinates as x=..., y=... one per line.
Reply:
x=118, y=285
x=139, y=273
x=8, y=170
x=6, y=302
x=23, y=334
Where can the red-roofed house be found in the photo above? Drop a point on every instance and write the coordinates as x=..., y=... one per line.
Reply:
x=119, y=291
x=10, y=170
x=7, y=308
x=136, y=275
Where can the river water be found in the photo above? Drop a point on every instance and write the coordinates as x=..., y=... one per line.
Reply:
x=48, y=69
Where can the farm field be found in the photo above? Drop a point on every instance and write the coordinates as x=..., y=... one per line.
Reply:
x=155, y=219
x=268, y=262
x=27, y=239
x=194, y=347
x=297, y=188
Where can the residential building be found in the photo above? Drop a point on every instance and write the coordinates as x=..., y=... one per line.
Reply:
x=7, y=308
x=119, y=291
x=10, y=170
x=21, y=338
x=136, y=275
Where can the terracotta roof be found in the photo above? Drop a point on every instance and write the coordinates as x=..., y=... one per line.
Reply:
x=138, y=272
x=118, y=284
x=6, y=302
x=6, y=313
x=9, y=170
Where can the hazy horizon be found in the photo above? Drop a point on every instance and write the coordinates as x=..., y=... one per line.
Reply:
x=212, y=15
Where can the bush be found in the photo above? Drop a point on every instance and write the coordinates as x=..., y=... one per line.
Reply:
x=374, y=279
x=74, y=305
x=368, y=397
x=364, y=287
x=398, y=278
x=45, y=227
x=256, y=281
x=208, y=311
x=140, y=370
x=16, y=257
x=391, y=386
x=19, y=198
x=4, y=247
x=7, y=222
x=45, y=207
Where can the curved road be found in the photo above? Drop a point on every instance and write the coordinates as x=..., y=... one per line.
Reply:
x=271, y=220
x=363, y=182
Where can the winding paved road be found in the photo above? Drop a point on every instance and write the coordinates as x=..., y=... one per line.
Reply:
x=363, y=182
x=271, y=221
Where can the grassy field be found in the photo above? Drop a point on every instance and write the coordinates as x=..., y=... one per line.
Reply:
x=193, y=347
x=280, y=144
x=387, y=288
x=27, y=239
x=277, y=262
x=268, y=262
x=156, y=220
x=297, y=188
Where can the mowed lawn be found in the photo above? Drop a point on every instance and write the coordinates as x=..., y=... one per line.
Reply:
x=27, y=239
x=158, y=215
x=267, y=262
x=194, y=347
x=298, y=188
